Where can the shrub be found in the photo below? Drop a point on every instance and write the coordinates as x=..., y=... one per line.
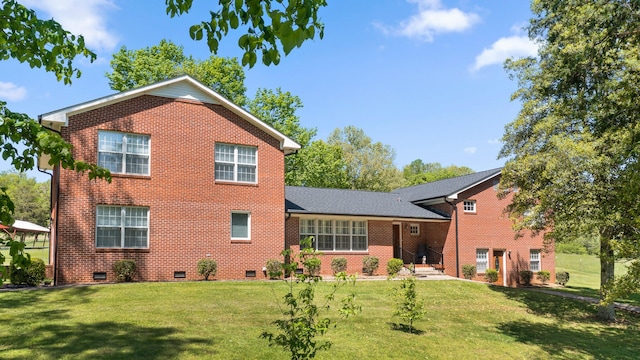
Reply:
x=394, y=266
x=125, y=270
x=408, y=307
x=468, y=271
x=31, y=275
x=338, y=264
x=491, y=275
x=544, y=276
x=312, y=266
x=526, y=276
x=562, y=278
x=370, y=264
x=274, y=269
x=207, y=267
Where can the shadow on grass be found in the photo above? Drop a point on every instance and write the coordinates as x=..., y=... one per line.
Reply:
x=405, y=328
x=104, y=340
x=32, y=297
x=632, y=299
x=573, y=330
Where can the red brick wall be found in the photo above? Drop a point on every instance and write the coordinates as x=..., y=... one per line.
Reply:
x=490, y=228
x=189, y=212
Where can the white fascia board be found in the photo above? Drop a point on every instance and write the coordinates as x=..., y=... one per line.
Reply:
x=454, y=196
x=61, y=116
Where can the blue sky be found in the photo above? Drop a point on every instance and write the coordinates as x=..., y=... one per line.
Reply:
x=423, y=76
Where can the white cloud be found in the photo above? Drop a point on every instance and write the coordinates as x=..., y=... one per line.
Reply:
x=432, y=18
x=81, y=17
x=470, y=150
x=12, y=92
x=513, y=46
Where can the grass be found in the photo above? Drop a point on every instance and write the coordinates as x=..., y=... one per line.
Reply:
x=223, y=320
x=584, y=272
x=35, y=253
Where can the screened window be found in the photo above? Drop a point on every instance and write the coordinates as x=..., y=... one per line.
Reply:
x=469, y=206
x=335, y=235
x=122, y=227
x=240, y=226
x=124, y=153
x=482, y=260
x=534, y=260
x=235, y=163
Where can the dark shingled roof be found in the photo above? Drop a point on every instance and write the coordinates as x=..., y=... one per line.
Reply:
x=303, y=200
x=446, y=187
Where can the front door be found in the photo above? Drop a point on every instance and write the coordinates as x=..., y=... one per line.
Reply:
x=497, y=258
x=397, y=247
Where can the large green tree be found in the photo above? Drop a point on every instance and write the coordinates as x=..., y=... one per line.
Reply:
x=573, y=149
x=30, y=197
x=270, y=27
x=370, y=165
x=417, y=172
x=41, y=44
x=320, y=165
x=134, y=68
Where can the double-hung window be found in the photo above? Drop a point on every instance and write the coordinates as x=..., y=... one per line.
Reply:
x=122, y=227
x=335, y=234
x=236, y=163
x=124, y=153
x=482, y=260
x=534, y=260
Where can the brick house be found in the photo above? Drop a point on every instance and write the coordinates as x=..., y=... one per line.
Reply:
x=443, y=224
x=195, y=176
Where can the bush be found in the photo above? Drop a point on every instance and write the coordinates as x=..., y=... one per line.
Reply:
x=338, y=264
x=491, y=275
x=468, y=271
x=125, y=270
x=544, y=276
x=394, y=266
x=207, y=267
x=31, y=275
x=370, y=264
x=562, y=278
x=526, y=276
x=274, y=269
x=312, y=266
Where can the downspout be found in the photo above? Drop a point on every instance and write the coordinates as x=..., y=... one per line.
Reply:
x=57, y=182
x=454, y=207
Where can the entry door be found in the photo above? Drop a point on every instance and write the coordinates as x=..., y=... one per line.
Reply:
x=397, y=248
x=497, y=259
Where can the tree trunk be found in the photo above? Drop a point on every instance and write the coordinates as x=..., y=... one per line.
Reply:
x=607, y=266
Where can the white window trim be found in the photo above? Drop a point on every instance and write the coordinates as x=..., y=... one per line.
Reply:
x=539, y=260
x=236, y=163
x=486, y=260
x=124, y=152
x=123, y=227
x=248, y=238
x=314, y=235
x=464, y=208
x=417, y=227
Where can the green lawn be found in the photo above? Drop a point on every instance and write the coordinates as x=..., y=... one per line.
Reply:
x=584, y=272
x=223, y=320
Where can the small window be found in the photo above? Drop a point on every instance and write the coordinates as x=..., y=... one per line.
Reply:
x=122, y=227
x=482, y=260
x=414, y=229
x=534, y=260
x=235, y=163
x=124, y=153
x=240, y=226
x=469, y=206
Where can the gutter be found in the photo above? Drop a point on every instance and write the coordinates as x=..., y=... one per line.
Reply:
x=454, y=207
x=57, y=182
